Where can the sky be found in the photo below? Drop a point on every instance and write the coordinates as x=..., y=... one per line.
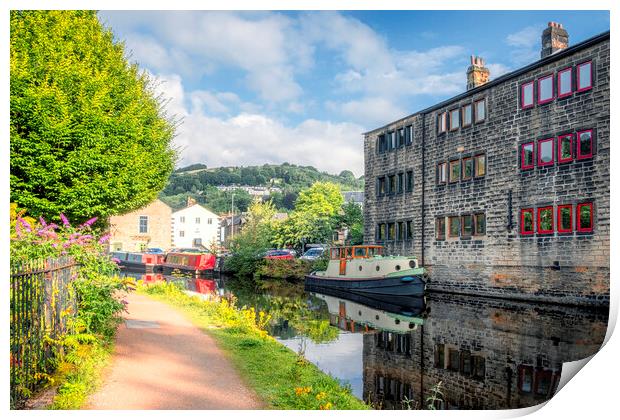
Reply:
x=301, y=87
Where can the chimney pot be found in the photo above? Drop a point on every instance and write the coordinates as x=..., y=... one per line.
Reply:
x=554, y=38
x=477, y=74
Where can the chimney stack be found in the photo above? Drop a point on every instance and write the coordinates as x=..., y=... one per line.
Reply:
x=190, y=201
x=554, y=39
x=477, y=74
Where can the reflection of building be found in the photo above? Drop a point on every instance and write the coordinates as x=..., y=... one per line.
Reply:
x=194, y=226
x=503, y=190
x=148, y=227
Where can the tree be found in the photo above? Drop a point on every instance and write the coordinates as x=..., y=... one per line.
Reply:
x=353, y=220
x=88, y=135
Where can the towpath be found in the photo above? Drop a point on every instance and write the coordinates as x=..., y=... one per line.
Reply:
x=162, y=361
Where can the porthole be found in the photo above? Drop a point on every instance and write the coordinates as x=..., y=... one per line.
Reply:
x=378, y=268
x=397, y=268
x=377, y=317
x=411, y=325
x=397, y=321
x=412, y=263
x=360, y=268
x=359, y=313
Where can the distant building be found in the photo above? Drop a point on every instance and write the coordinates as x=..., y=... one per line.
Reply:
x=254, y=191
x=354, y=196
x=230, y=226
x=194, y=227
x=148, y=227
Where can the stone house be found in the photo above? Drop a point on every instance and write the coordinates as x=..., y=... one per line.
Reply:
x=148, y=227
x=504, y=190
x=194, y=227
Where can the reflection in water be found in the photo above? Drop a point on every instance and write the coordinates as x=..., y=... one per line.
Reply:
x=487, y=353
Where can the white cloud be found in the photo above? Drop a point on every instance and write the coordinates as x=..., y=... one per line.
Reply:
x=526, y=43
x=369, y=110
x=497, y=69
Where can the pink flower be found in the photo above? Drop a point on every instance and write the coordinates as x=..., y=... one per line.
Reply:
x=64, y=219
x=116, y=260
x=104, y=238
x=25, y=224
x=42, y=220
x=90, y=221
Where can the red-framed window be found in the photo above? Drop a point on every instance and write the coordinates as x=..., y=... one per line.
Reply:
x=584, y=76
x=585, y=217
x=545, y=152
x=565, y=82
x=468, y=168
x=585, y=144
x=545, y=219
x=455, y=120
x=527, y=155
x=467, y=225
x=442, y=173
x=467, y=115
x=527, y=95
x=440, y=228
x=527, y=221
x=455, y=170
x=546, y=89
x=480, y=109
x=565, y=148
x=480, y=165
x=565, y=218
x=442, y=123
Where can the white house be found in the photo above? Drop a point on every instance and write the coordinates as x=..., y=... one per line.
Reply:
x=194, y=226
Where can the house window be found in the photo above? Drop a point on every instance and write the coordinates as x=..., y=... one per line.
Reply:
x=480, y=161
x=478, y=363
x=409, y=181
x=144, y=224
x=391, y=231
x=545, y=152
x=545, y=89
x=442, y=172
x=545, y=219
x=408, y=134
x=466, y=369
x=198, y=220
x=565, y=218
x=400, y=232
x=565, y=82
x=441, y=122
x=209, y=221
x=197, y=242
x=480, y=224
x=381, y=231
x=391, y=184
x=440, y=228
x=527, y=221
x=439, y=361
x=382, y=143
x=481, y=111
x=527, y=155
x=467, y=117
x=453, y=360
x=584, y=144
x=401, y=137
x=182, y=219
x=467, y=224
x=401, y=182
x=454, y=120
x=181, y=234
x=543, y=382
x=381, y=185
x=565, y=148
x=525, y=380
x=468, y=168
x=455, y=170
x=584, y=217
x=527, y=95
x=454, y=226
x=409, y=230
x=584, y=76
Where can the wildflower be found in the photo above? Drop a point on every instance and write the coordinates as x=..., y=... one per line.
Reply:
x=321, y=395
x=42, y=220
x=64, y=219
x=89, y=221
x=85, y=237
x=25, y=224
x=116, y=260
x=326, y=406
x=302, y=390
x=104, y=238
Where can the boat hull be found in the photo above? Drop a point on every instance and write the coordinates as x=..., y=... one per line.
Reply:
x=406, y=285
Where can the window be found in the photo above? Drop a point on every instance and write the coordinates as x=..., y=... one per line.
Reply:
x=453, y=360
x=584, y=144
x=401, y=182
x=480, y=224
x=381, y=231
x=381, y=186
x=545, y=219
x=565, y=218
x=182, y=219
x=144, y=224
x=543, y=382
x=527, y=95
x=467, y=109
x=401, y=137
x=409, y=230
x=440, y=228
x=409, y=181
x=454, y=120
x=391, y=231
x=466, y=363
x=442, y=172
x=525, y=380
x=584, y=217
x=209, y=221
x=392, y=140
x=480, y=161
x=400, y=232
x=391, y=184
x=565, y=82
x=441, y=122
x=197, y=242
x=545, y=89
x=181, y=234
x=481, y=111
x=455, y=170
x=479, y=367
x=468, y=168
x=454, y=226
x=565, y=148
x=381, y=143
x=408, y=134
x=545, y=152
x=467, y=224
x=527, y=221
x=198, y=220
x=527, y=155
x=584, y=76
x=439, y=361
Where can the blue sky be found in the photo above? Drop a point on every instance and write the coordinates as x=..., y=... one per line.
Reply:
x=269, y=87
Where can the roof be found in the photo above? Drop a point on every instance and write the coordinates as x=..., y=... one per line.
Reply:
x=192, y=206
x=543, y=61
x=355, y=196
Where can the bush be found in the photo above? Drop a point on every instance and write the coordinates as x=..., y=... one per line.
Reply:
x=283, y=269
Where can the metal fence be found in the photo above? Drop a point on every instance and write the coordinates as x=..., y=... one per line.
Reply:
x=41, y=303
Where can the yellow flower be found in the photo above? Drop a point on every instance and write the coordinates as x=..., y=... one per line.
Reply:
x=321, y=395
x=326, y=406
x=302, y=390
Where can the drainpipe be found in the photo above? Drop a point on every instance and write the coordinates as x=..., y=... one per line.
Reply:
x=423, y=184
x=422, y=366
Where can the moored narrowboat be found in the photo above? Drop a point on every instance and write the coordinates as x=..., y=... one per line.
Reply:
x=364, y=270
x=139, y=261
x=193, y=262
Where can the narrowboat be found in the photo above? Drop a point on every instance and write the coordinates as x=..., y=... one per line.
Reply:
x=139, y=261
x=364, y=270
x=192, y=262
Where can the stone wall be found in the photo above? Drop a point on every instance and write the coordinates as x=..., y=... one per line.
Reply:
x=125, y=229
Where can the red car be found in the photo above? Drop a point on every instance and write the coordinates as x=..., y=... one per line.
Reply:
x=278, y=255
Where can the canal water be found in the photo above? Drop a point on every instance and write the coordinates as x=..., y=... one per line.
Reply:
x=397, y=353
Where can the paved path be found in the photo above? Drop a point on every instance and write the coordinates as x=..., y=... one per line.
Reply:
x=162, y=361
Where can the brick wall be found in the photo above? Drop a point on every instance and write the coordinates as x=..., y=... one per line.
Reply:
x=125, y=229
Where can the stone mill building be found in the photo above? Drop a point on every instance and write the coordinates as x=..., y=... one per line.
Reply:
x=503, y=190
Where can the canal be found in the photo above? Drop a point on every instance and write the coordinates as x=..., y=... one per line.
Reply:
x=469, y=352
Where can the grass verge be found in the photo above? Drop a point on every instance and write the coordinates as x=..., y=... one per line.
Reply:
x=280, y=377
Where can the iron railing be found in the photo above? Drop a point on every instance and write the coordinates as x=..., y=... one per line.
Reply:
x=42, y=300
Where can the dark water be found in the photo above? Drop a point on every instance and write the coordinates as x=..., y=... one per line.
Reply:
x=479, y=353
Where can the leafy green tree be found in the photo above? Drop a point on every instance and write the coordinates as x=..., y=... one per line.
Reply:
x=352, y=219
x=88, y=135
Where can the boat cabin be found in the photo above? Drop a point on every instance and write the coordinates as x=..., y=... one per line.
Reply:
x=358, y=251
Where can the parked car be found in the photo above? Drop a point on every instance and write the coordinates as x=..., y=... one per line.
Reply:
x=154, y=251
x=279, y=254
x=312, y=254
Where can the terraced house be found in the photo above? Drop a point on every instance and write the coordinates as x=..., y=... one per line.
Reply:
x=504, y=190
